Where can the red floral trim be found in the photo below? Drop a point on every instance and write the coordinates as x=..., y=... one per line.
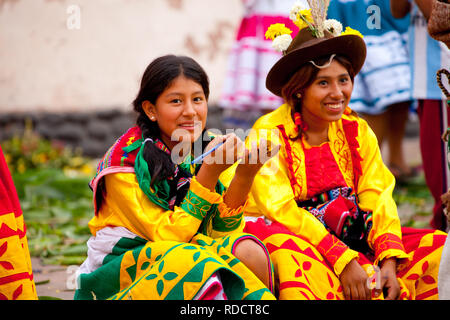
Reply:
x=331, y=248
x=289, y=159
x=351, y=132
x=387, y=241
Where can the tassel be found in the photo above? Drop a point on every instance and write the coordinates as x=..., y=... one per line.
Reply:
x=299, y=123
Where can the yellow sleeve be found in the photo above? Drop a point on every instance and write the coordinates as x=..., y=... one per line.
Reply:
x=375, y=187
x=272, y=196
x=227, y=220
x=126, y=205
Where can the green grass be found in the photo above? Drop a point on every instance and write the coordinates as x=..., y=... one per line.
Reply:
x=415, y=203
x=56, y=209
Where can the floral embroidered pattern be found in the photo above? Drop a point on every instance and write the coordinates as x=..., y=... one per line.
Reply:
x=331, y=248
x=295, y=180
x=224, y=224
x=387, y=241
x=351, y=132
x=195, y=205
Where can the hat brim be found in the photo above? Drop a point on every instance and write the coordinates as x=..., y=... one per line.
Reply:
x=351, y=46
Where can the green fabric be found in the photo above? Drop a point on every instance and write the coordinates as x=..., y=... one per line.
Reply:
x=160, y=194
x=109, y=274
x=195, y=205
x=226, y=224
x=154, y=266
x=192, y=204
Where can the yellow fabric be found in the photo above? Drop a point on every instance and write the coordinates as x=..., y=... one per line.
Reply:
x=305, y=275
x=177, y=261
x=16, y=275
x=273, y=196
x=126, y=205
x=175, y=251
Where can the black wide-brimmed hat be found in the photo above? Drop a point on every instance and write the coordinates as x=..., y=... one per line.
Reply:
x=305, y=47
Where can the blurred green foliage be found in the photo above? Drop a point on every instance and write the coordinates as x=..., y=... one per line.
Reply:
x=57, y=209
x=29, y=151
x=52, y=184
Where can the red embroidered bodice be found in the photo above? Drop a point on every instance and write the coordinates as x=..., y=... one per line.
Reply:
x=322, y=171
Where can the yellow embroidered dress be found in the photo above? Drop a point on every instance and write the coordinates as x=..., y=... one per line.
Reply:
x=16, y=274
x=141, y=250
x=310, y=199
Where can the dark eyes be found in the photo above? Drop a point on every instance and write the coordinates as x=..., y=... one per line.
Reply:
x=179, y=101
x=325, y=82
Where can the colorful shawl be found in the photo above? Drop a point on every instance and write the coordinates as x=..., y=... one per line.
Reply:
x=126, y=156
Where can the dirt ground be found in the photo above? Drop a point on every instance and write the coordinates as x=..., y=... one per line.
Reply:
x=52, y=281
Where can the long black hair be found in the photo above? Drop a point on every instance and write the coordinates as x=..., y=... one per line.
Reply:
x=158, y=76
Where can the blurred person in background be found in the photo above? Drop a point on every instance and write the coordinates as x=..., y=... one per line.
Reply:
x=382, y=92
x=427, y=56
x=245, y=97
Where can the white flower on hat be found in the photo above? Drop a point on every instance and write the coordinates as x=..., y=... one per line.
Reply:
x=333, y=26
x=296, y=8
x=281, y=43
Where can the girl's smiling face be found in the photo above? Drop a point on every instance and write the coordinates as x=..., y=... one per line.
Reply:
x=325, y=100
x=180, y=111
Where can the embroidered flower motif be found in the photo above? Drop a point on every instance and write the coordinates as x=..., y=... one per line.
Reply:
x=168, y=276
x=350, y=31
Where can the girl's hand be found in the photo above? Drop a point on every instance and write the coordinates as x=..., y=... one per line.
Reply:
x=220, y=159
x=226, y=155
x=252, y=161
x=389, y=282
x=255, y=158
x=354, y=282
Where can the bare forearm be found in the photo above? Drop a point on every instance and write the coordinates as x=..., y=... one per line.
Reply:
x=425, y=6
x=237, y=192
x=207, y=177
x=400, y=8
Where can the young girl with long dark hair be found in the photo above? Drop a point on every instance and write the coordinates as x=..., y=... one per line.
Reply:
x=164, y=226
